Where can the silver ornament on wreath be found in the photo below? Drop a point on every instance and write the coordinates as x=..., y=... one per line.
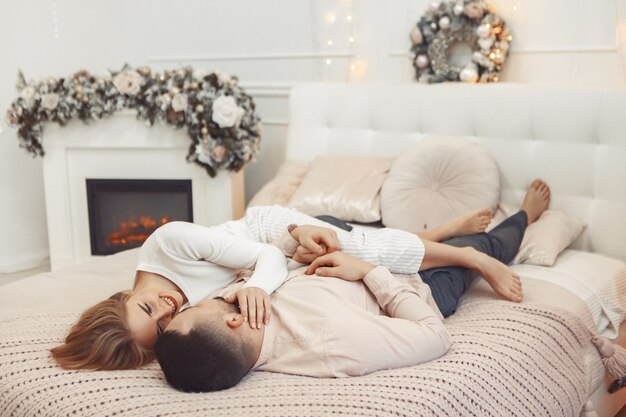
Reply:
x=469, y=22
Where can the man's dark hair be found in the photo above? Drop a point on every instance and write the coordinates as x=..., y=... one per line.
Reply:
x=208, y=358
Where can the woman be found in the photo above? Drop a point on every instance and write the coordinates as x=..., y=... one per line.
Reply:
x=182, y=263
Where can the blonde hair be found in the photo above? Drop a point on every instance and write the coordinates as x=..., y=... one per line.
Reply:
x=101, y=339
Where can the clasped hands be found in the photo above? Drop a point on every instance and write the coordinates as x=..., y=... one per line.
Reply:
x=318, y=247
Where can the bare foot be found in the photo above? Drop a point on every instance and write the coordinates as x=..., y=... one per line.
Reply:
x=537, y=200
x=502, y=279
x=471, y=223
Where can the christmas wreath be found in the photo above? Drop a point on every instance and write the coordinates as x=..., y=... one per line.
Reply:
x=219, y=117
x=447, y=23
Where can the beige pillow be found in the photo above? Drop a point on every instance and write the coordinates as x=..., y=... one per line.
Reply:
x=437, y=180
x=546, y=238
x=346, y=187
x=280, y=189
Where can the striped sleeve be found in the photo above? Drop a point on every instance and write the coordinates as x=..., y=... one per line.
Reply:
x=399, y=251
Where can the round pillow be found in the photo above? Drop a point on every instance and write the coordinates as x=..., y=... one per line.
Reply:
x=437, y=180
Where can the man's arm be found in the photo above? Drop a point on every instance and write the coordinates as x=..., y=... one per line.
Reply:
x=411, y=332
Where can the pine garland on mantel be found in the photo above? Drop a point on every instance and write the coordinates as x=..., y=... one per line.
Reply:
x=219, y=117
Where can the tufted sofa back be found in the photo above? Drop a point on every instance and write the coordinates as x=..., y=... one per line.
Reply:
x=572, y=137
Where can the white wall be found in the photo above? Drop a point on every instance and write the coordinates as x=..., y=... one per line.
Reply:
x=271, y=45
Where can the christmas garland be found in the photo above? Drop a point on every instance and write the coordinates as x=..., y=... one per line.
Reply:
x=218, y=115
x=446, y=23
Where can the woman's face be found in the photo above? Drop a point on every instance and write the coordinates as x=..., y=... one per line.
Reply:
x=149, y=311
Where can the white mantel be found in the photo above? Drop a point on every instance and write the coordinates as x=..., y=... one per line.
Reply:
x=122, y=147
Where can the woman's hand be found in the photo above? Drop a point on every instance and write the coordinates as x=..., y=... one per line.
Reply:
x=304, y=256
x=254, y=304
x=318, y=240
x=340, y=265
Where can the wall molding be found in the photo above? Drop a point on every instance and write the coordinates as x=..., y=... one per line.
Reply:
x=253, y=57
x=275, y=122
x=269, y=89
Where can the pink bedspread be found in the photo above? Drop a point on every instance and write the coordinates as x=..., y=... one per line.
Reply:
x=505, y=360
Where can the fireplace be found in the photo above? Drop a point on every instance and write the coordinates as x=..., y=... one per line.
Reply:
x=121, y=148
x=124, y=212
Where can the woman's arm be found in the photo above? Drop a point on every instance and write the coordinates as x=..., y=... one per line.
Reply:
x=181, y=241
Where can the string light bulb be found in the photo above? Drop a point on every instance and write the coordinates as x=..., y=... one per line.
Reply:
x=328, y=61
x=330, y=43
x=331, y=17
x=351, y=39
x=349, y=17
x=356, y=70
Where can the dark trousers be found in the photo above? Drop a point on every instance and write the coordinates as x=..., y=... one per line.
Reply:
x=502, y=243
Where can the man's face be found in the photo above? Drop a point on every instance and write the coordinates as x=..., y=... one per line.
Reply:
x=206, y=309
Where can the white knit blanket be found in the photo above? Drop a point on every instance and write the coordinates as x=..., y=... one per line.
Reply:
x=505, y=360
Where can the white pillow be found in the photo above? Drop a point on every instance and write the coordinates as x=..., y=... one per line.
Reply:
x=346, y=187
x=437, y=180
x=546, y=238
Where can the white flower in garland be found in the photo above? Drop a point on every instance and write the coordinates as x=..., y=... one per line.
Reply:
x=416, y=36
x=164, y=99
x=210, y=155
x=200, y=73
x=50, y=101
x=223, y=77
x=28, y=95
x=179, y=102
x=128, y=82
x=226, y=113
x=202, y=153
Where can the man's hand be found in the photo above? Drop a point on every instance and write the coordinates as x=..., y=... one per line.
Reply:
x=318, y=240
x=254, y=304
x=340, y=265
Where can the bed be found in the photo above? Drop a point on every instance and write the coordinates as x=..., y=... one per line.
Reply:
x=574, y=138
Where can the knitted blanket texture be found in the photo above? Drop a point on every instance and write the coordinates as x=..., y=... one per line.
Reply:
x=506, y=360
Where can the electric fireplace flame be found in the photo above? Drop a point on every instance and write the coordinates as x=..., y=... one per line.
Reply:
x=134, y=232
x=124, y=212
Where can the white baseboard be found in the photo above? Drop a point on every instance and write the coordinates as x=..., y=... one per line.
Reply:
x=23, y=262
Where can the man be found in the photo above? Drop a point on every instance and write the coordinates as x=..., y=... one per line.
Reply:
x=328, y=327
x=360, y=322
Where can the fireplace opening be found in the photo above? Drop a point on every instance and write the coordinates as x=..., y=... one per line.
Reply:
x=123, y=213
